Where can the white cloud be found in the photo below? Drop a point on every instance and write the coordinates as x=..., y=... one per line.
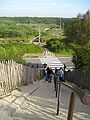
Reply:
x=61, y=8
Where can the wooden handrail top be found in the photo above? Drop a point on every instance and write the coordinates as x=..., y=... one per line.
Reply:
x=84, y=97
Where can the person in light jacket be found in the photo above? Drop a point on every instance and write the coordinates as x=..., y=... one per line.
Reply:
x=61, y=74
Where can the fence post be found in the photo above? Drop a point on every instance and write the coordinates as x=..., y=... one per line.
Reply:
x=56, y=84
x=12, y=74
x=71, y=106
x=58, y=90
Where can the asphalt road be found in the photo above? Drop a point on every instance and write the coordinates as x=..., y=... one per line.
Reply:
x=65, y=60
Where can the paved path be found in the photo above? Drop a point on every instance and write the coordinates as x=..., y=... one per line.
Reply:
x=38, y=102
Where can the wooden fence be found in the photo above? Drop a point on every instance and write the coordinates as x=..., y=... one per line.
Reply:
x=79, y=77
x=13, y=74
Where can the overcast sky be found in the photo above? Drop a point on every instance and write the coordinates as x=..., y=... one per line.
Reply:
x=43, y=8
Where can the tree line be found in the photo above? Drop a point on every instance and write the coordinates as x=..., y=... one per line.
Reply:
x=36, y=20
x=78, y=38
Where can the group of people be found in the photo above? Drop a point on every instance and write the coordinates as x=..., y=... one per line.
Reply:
x=48, y=73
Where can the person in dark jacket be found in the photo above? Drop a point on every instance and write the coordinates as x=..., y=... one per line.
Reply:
x=49, y=74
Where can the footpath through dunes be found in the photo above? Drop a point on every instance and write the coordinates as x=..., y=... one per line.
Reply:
x=38, y=102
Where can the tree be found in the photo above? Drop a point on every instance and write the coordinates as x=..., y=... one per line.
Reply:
x=78, y=31
x=81, y=57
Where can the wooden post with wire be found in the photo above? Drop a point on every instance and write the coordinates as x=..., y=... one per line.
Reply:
x=39, y=34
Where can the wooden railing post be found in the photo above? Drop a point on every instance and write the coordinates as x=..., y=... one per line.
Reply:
x=71, y=106
x=58, y=90
x=56, y=85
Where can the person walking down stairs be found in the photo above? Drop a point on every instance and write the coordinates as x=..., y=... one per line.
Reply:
x=61, y=75
x=49, y=74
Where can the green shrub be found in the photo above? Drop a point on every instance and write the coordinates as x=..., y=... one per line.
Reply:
x=81, y=57
x=16, y=51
